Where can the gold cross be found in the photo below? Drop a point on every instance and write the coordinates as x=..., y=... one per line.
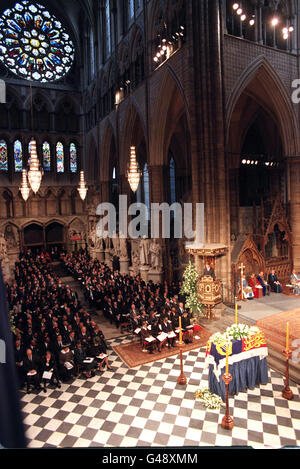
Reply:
x=242, y=267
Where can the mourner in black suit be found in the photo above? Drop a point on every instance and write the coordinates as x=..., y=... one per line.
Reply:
x=274, y=282
x=31, y=368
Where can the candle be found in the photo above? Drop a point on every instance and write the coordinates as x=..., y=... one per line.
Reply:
x=287, y=336
x=227, y=358
x=236, y=318
x=180, y=330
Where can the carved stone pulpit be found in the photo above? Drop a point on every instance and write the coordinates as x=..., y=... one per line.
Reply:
x=210, y=294
x=209, y=289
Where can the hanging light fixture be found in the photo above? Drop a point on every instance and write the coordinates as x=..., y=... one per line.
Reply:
x=82, y=188
x=133, y=174
x=24, y=189
x=34, y=173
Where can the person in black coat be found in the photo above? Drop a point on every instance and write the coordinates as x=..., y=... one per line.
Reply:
x=48, y=364
x=31, y=368
x=274, y=282
x=187, y=332
x=98, y=351
x=166, y=327
x=19, y=359
x=80, y=357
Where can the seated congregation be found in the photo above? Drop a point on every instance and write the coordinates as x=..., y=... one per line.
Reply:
x=151, y=312
x=55, y=338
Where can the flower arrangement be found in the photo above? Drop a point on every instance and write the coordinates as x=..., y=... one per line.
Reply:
x=234, y=332
x=189, y=288
x=208, y=399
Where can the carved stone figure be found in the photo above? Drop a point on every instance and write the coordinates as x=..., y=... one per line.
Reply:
x=155, y=253
x=11, y=237
x=116, y=245
x=123, y=249
x=144, y=247
x=4, y=260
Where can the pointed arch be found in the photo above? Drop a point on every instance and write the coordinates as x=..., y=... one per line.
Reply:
x=107, y=139
x=170, y=106
x=133, y=133
x=92, y=167
x=262, y=83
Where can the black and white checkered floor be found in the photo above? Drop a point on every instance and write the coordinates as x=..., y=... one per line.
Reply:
x=145, y=406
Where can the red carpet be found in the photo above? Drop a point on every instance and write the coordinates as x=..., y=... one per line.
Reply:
x=274, y=328
x=132, y=355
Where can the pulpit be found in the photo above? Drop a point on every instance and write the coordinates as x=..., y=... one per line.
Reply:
x=209, y=289
x=210, y=294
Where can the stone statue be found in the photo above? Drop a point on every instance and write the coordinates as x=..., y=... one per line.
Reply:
x=11, y=238
x=116, y=245
x=4, y=260
x=123, y=248
x=92, y=237
x=135, y=255
x=144, y=247
x=156, y=258
x=135, y=261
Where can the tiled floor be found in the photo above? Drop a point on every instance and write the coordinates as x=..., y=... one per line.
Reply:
x=146, y=407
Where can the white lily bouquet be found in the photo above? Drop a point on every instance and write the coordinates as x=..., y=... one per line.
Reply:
x=234, y=332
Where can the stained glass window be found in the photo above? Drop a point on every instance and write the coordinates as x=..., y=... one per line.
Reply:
x=60, y=158
x=46, y=156
x=108, y=27
x=34, y=44
x=3, y=156
x=131, y=9
x=73, y=158
x=18, y=156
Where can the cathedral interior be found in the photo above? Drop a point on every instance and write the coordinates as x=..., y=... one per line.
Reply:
x=205, y=93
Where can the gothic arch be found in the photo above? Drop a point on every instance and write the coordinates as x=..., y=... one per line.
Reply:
x=170, y=106
x=133, y=133
x=108, y=137
x=262, y=83
x=92, y=166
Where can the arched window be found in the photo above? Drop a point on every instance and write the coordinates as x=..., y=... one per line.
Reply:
x=131, y=9
x=107, y=28
x=18, y=156
x=3, y=156
x=172, y=175
x=73, y=158
x=46, y=156
x=60, y=158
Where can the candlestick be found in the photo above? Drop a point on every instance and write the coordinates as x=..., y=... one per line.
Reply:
x=227, y=421
x=180, y=330
x=226, y=359
x=181, y=378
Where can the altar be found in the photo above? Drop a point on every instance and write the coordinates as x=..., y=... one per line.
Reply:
x=247, y=363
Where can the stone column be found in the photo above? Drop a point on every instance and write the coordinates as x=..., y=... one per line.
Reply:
x=294, y=175
x=209, y=171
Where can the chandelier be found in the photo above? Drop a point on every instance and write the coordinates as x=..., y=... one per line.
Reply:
x=24, y=189
x=134, y=173
x=82, y=188
x=34, y=172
